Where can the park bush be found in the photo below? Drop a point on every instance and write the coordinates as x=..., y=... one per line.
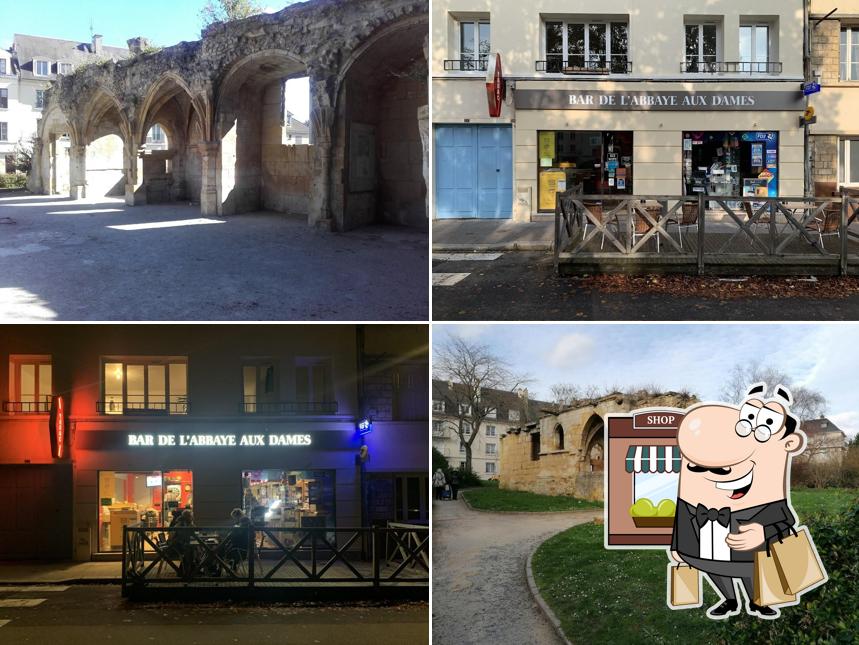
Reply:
x=828, y=614
x=440, y=461
x=468, y=478
x=13, y=181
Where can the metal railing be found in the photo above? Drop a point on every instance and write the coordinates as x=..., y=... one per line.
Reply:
x=274, y=556
x=27, y=407
x=581, y=64
x=466, y=65
x=709, y=230
x=694, y=65
x=250, y=405
x=138, y=405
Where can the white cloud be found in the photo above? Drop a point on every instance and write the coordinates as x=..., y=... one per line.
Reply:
x=847, y=421
x=570, y=349
x=470, y=332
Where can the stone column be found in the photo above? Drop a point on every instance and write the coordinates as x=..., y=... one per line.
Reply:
x=77, y=172
x=135, y=192
x=210, y=154
x=322, y=139
x=36, y=180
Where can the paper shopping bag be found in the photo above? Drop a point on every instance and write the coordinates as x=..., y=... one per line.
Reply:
x=767, y=582
x=685, y=586
x=796, y=559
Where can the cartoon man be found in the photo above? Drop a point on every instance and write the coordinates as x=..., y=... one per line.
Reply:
x=733, y=490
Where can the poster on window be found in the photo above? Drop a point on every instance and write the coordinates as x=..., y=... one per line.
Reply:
x=757, y=155
x=547, y=145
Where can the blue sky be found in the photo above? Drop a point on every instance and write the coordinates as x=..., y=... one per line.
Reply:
x=695, y=357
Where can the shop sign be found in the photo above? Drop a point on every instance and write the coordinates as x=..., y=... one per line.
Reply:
x=662, y=100
x=495, y=86
x=57, y=425
x=216, y=440
x=657, y=420
x=810, y=88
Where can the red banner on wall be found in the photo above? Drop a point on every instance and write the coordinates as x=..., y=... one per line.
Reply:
x=495, y=86
x=57, y=427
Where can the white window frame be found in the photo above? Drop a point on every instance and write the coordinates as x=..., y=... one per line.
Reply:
x=4, y=125
x=36, y=62
x=61, y=65
x=844, y=160
x=438, y=406
x=491, y=449
x=4, y=66
x=5, y=89
x=492, y=429
x=462, y=447
x=513, y=415
x=848, y=60
x=490, y=468
x=607, y=22
x=42, y=399
x=147, y=406
x=754, y=61
x=700, y=25
x=475, y=22
x=36, y=105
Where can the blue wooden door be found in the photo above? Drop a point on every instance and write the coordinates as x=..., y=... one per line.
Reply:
x=473, y=171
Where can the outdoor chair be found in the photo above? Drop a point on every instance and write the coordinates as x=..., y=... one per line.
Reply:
x=762, y=220
x=597, y=209
x=688, y=218
x=641, y=226
x=827, y=224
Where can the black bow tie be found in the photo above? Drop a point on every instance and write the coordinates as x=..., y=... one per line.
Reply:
x=704, y=515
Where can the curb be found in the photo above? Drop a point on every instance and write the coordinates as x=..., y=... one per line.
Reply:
x=483, y=248
x=535, y=593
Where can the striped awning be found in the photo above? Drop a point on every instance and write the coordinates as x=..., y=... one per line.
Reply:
x=653, y=459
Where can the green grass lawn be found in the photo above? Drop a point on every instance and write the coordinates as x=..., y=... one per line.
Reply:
x=489, y=497
x=619, y=596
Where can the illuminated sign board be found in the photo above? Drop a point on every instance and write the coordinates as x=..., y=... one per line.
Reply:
x=217, y=440
x=57, y=427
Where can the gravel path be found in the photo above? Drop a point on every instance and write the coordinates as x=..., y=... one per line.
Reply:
x=480, y=594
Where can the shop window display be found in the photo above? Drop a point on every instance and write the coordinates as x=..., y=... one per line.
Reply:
x=127, y=498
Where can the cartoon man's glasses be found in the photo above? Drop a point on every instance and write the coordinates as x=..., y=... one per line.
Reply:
x=762, y=421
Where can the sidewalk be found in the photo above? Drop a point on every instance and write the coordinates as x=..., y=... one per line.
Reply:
x=492, y=235
x=15, y=573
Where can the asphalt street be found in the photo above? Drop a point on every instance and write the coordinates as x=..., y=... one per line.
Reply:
x=523, y=286
x=90, y=614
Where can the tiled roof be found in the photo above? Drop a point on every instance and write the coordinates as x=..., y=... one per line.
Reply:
x=820, y=426
x=27, y=48
x=503, y=400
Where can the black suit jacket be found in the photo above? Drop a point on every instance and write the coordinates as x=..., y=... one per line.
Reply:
x=774, y=516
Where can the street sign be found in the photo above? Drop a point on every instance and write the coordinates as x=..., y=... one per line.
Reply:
x=810, y=88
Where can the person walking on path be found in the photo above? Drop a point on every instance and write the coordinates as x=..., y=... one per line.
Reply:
x=454, y=484
x=438, y=482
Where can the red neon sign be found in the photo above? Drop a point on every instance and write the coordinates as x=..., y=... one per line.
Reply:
x=58, y=427
x=495, y=86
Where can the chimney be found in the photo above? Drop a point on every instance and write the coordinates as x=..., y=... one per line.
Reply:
x=138, y=45
x=96, y=43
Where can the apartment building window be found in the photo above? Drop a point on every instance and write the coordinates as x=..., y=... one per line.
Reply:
x=64, y=68
x=438, y=406
x=848, y=161
x=4, y=98
x=3, y=66
x=464, y=408
x=259, y=390
x=591, y=47
x=849, y=54
x=490, y=468
x=702, y=45
x=490, y=449
x=31, y=381
x=41, y=68
x=490, y=431
x=145, y=386
x=490, y=414
x=754, y=48
x=513, y=415
x=461, y=448
x=40, y=99
x=438, y=428
x=474, y=45
x=313, y=381
x=4, y=131
x=466, y=428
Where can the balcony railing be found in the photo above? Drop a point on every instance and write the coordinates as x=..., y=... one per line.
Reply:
x=27, y=407
x=287, y=408
x=581, y=64
x=466, y=65
x=139, y=406
x=697, y=66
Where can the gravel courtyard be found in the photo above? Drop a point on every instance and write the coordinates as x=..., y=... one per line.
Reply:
x=101, y=260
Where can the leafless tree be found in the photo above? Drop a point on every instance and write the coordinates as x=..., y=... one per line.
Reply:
x=471, y=371
x=565, y=395
x=807, y=403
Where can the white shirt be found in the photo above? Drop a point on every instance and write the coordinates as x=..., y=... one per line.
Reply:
x=712, y=542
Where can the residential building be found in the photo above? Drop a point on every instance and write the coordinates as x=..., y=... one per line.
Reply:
x=826, y=441
x=834, y=59
x=295, y=132
x=509, y=410
x=697, y=96
x=27, y=71
x=159, y=418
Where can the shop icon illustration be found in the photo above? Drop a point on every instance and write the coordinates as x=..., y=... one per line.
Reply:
x=711, y=485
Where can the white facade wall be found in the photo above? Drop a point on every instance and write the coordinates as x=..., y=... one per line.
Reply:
x=447, y=443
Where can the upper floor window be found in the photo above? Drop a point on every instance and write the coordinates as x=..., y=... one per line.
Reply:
x=490, y=468
x=64, y=68
x=438, y=406
x=40, y=99
x=474, y=44
x=4, y=98
x=491, y=413
x=490, y=449
x=258, y=387
x=313, y=381
x=599, y=47
x=513, y=415
x=849, y=54
x=4, y=66
x=754, y=48
x=4, y=131
x=145, y=386
x=848, y=161
x=41, y=68
x=702, y=45
x=31, y=385
x=490, y=431
x=464, y=409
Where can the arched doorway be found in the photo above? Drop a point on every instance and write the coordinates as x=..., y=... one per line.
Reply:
x=99, y=164
x=594, y=444
x=54, y=162
x=105, y=175
x=378, y=148
x=558, y=438
x=261, y=167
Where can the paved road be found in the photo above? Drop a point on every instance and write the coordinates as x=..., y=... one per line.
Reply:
x=87, y=615
x=523, y=286
x=102, y=260
x=480, y=592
